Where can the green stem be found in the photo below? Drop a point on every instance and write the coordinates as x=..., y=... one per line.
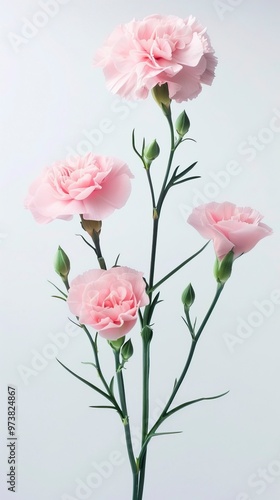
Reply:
x=220, y=287
x=99, y=371
x=193, y=346
x=142, y=475
x=157, y=208
x=170, y=159
x=66, y=283
x=146, y=374
x=96, y=241
x=151, y=188
x=146, y=344
x=153, y=251
x=145, y=414
x=178, y=268
x=188, y=362
x=189, y=323
x=127, y=431
x=96, y=359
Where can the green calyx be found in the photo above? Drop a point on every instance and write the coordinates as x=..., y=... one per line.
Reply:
x=116, y=344
x=223, y=268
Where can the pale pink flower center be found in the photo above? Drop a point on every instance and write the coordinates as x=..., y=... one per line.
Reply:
x=249, y=217
x=111, y=303
x=71, y=181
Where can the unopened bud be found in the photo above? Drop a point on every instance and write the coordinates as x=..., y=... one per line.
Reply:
x=61, y=263
x=161, y=95
x=188, y=296
x=127, y=350
x=151, y=152
x=182, y=124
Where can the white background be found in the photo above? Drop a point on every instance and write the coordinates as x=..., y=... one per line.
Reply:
x=52, y=98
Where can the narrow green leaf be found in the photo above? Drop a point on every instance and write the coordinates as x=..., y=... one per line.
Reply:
x=88, y=363
x=188, y=139
x=63, y=293
x=58, y=297
x=175, y=381
x=150, y=435
x=143, y=147
x=86, y=381
x=140, y=317
x=166, y=433
x=111, y=385
x=116, y=261
x=74, y=323
x=186, y=170
x=146, y=442
x=133, y=140
x=109, y=407
x=91, y=246
x=152, y=306
x=133, y=144
x=186, y=180
x=177, y=268
x=121, y=367
x=172, y=180
x=174, y=174
x=190, y=328
x=180, y=407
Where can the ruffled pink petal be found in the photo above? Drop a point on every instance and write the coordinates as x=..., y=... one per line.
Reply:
x=93, y=186
x=108, y=300
x=159, y=49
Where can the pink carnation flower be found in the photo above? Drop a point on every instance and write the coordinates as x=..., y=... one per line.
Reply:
x=108, y=300
x=93, y=186
x=230, y=227
x=159, y=49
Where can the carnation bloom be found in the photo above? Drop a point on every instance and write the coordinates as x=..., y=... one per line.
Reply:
x=159, y=49
x=230, y=227
x=108, y=300
x=90, y=185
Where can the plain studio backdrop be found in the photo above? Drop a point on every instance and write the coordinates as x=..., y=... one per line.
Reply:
x=54, y=103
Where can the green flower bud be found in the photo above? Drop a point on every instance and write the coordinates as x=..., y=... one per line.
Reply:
x=147, y=333
x=151, y=152
x=223, y=268
x=182, y=124
x=188, y=296
x=161, y=95
x=127, y=350
x=61, y=263
x=116, y=344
